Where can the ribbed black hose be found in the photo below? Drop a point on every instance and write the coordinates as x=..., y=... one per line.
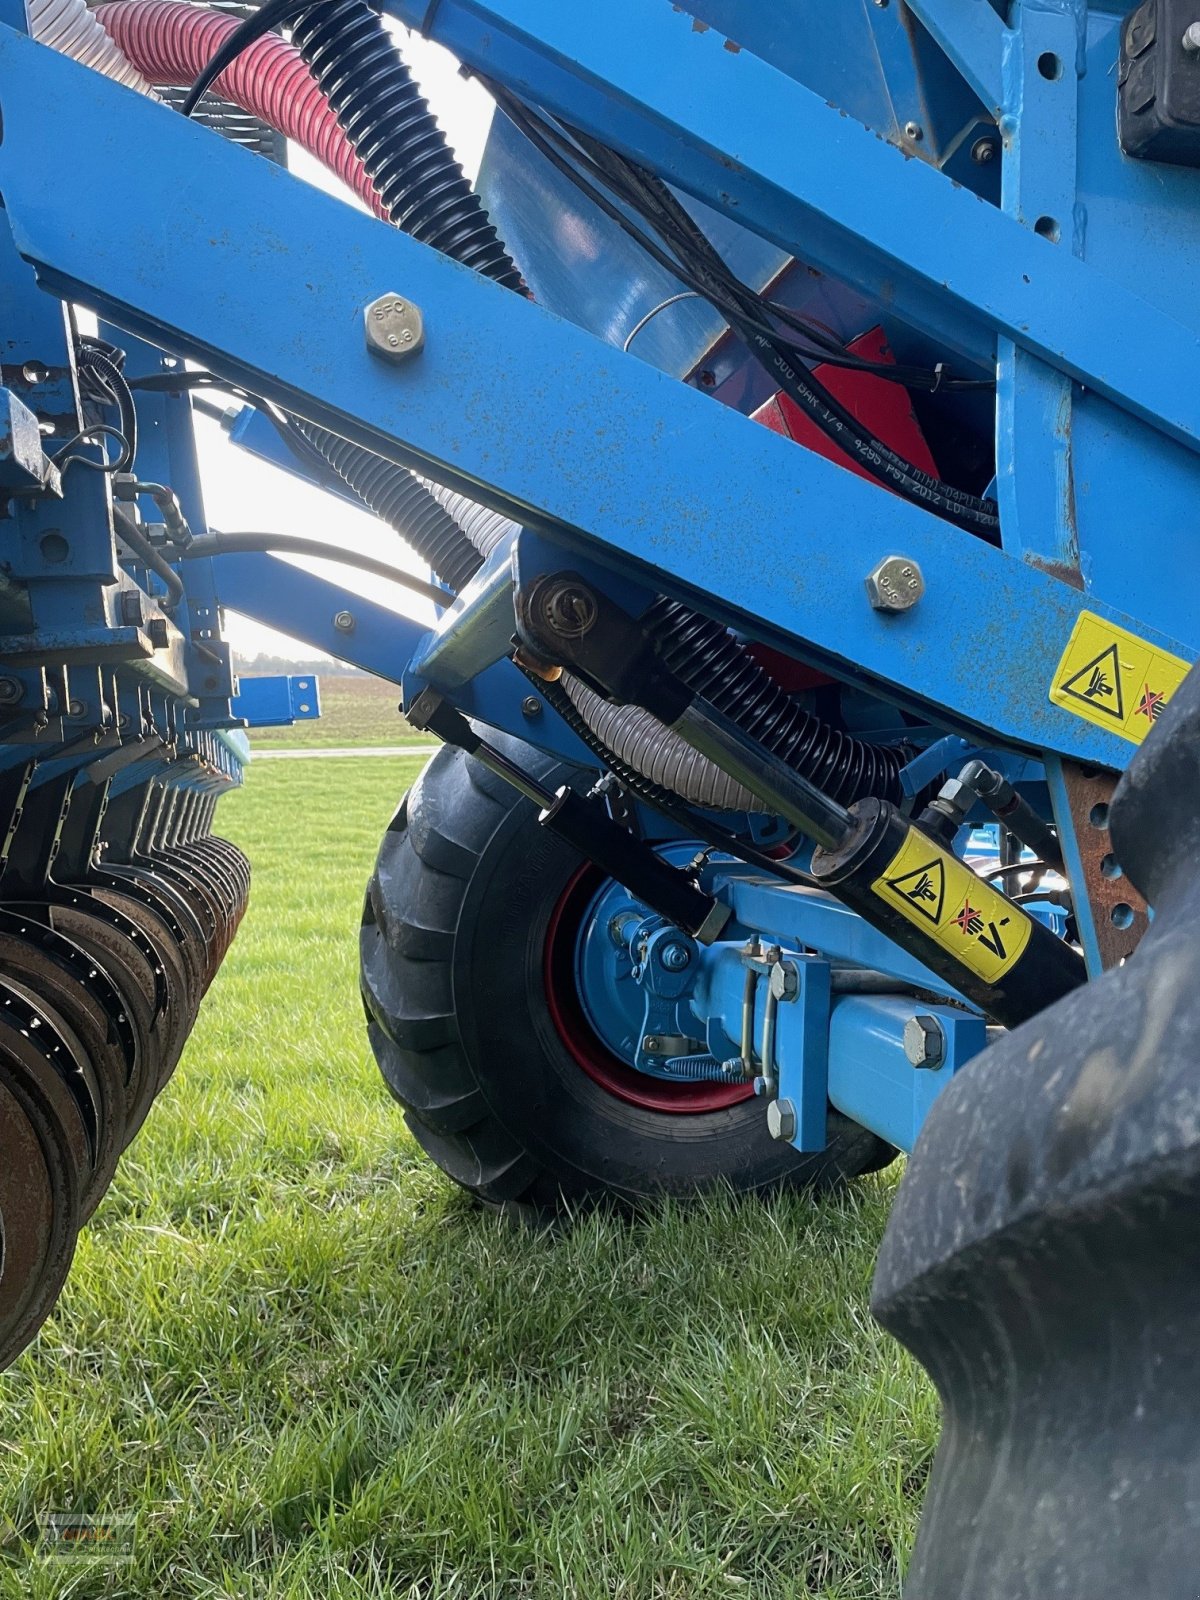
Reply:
x=707, y=657
x=402, y=501
x=397, y=139
x=349, y=53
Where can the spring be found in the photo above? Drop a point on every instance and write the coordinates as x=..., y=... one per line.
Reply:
x=698, y=1069
x=707, y=658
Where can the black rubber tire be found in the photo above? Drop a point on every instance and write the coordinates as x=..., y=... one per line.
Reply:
x=451, y=946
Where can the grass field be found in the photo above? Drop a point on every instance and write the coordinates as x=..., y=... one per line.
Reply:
x=354, y=711
x=309, y=1368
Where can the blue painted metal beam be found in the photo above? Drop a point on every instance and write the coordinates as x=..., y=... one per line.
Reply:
x=643, y=78
x=972, y=36
x=297, y=602
x=266, y=279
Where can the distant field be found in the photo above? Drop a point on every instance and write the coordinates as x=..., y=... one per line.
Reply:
x=354, y=712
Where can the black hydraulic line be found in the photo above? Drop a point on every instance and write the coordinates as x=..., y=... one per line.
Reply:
x=1014, y=812
x=149, y=556
x=218, y=543
x=744, y=309
x=101, y=363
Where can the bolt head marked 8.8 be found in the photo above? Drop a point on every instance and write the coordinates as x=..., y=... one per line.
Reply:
x=896, y=584
x=394, y=327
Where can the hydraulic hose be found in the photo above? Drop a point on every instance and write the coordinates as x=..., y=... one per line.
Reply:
x=145, y=552
x=216, y=543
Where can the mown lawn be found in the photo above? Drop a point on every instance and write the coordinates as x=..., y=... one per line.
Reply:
x=354, y=711
x=311, y=1369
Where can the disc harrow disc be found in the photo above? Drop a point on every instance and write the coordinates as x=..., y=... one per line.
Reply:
x=61, y=985
x=42, y=1178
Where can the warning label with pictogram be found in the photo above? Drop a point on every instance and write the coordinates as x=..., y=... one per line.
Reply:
x=1112, y=678
x=980, y=928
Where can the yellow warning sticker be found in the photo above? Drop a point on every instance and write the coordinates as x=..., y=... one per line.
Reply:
x=1112, y=678
x=936, y=892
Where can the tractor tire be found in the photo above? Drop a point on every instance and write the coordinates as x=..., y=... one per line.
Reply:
x=472, y=1011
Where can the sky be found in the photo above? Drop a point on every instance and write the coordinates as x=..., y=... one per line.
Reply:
x=243, y=494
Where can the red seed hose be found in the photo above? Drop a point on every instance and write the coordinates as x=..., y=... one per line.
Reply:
x=172, y=41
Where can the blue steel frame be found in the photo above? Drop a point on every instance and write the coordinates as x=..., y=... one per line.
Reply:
x=613, y=465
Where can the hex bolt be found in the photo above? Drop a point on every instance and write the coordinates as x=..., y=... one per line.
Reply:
x=914, y=131
x=156, y=628
x=896, y=584
x=650, y=1044
x=781, y=1119
x=1191, y=38
x=924, y=1041
x=983, y=151
x=531, y=706
x=675, y=957
x=344, y=622
x=784, y=981
x=12, y=691
x=131, y=608
x=394, y=327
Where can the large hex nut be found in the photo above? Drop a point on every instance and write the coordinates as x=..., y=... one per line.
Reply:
x=394, y=326
x=896, y=584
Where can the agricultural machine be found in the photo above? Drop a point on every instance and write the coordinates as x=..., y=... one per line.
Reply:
x=798, y=421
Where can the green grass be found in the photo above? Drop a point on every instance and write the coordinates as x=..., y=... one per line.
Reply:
x=312, y=1369
x=354, y=712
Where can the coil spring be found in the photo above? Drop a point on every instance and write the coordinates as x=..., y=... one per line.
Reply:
x=390, y=125
x=707, y=657
x=403, y=502
x=699, y=1069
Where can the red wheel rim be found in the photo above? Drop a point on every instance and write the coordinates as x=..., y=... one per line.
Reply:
x=581, y=1041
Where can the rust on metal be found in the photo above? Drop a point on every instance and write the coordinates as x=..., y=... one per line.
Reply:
x=1118, y=910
